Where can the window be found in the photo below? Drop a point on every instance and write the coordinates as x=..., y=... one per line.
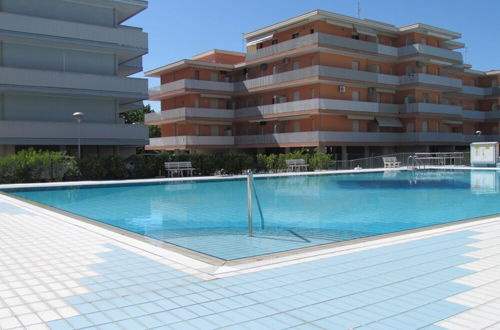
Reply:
x=295, y=35
x=313, y=93
x=410, y=99
x=355, y=66
x=197, y=102
x=197, y=75
x=410, y=127
x=260, y=45
x=214, y=130
x=425, y=98
x=312, y=30
x=424, y=69
x=296, y=96
x=197, y=130
x=296, y=65
x=296, y=126
x=409, y=41
x=355, y=35
x=423, y=41
x=425, y=126
x=214, y=103
x=355, y=95
x=355, y=125
x=410, y=70
x=274, y=41
x=214, y=76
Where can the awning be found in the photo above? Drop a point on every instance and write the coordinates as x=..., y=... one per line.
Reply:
x=216, y=96
x=257, y=41
x=367, y=31
x=389, y=122
x=360, y=117
x=452, y=122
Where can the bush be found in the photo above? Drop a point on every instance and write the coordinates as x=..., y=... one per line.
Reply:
x=115, y=167
x=34, y=166
x=320, y=161
x=92, y=168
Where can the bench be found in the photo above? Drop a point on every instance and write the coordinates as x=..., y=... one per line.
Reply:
x=178, y=169
x=296, y=165
x=390, y=162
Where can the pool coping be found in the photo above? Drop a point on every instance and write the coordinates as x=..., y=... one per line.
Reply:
x=217, y=262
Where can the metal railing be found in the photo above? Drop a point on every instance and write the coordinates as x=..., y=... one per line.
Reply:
x=406, y=159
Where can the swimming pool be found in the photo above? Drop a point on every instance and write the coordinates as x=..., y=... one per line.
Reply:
x=210, y=216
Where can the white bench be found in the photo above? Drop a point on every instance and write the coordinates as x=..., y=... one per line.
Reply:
x=179, y=168
x=296, y=165
x=391, y=162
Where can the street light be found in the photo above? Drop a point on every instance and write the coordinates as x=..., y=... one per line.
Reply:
x=78, y=116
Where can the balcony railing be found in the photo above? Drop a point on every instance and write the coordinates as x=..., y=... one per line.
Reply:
x=432, y=108
x=28, y=79
x=186, y=113
x=182, y=142
x=417, y=49
x=422, y=78
x=329, y=40
x=325, y=137
x=36, y=132
x=38, y=27
x=156, y=92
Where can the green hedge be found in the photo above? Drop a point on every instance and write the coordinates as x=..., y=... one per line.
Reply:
x=35, y=166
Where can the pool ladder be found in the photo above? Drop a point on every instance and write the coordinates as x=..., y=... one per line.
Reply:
x=416, y=164
x=251, y=191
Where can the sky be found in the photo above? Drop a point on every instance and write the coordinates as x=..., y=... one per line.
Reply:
x=181, y=29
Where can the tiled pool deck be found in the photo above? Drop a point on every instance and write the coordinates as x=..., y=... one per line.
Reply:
x=60, y=273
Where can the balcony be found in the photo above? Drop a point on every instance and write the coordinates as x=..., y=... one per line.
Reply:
x=315, y=72
x=419, y=49
x=28, y=80
x=87, y=34
x=289, y=108
x=315, y=138
x=156, y=93
x=186, y=142
x=54, y=133
x=329, y=40
x=182, y=114
x=481, y=115
x=429, y=79
x=431, y=108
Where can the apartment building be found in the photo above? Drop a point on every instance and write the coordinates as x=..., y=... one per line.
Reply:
x=355, y=87
x=58, y=57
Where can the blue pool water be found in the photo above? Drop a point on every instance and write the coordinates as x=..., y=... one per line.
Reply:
x=299, y=211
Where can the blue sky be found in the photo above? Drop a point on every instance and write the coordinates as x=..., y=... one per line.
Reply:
x=181, y=29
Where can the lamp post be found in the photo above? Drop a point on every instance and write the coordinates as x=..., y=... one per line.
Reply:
x=79, y=116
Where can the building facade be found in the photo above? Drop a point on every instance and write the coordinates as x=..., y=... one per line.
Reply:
x=351, y=86
x=59, y=57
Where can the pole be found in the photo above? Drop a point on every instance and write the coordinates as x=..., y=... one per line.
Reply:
x=249, y=201
x=79, y=138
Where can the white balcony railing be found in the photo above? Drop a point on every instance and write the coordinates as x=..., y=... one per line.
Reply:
x=66, y=133
x=328, y=40
x=38, y=27
x=191, y=141
x=27, y=79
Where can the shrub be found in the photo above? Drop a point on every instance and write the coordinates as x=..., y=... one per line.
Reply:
x=34, y=166
x=92, y=168
x=115, y=167
x=320, y=161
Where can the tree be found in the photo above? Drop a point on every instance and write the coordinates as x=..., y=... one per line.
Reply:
x=137, y=117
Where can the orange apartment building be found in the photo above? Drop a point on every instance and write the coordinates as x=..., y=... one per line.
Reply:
x=355, y=87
